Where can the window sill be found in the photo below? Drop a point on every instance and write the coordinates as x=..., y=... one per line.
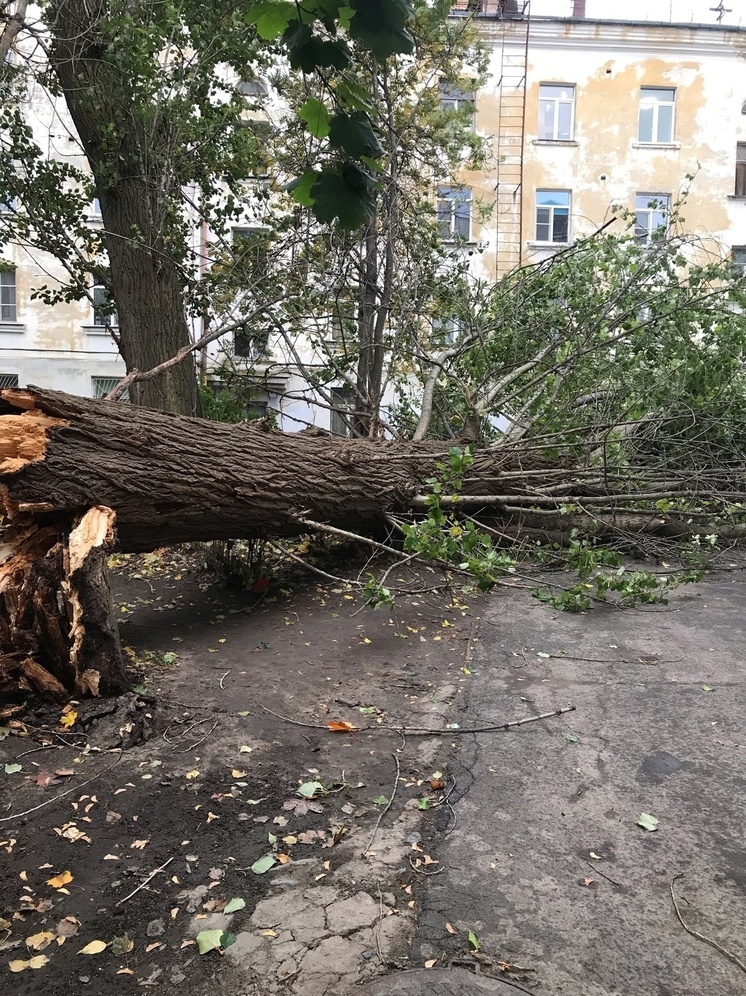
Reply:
x=99, y=329
x=736, y=197
x=547, y=245
x=555, y=141
x=656, y=145
x=15, y=327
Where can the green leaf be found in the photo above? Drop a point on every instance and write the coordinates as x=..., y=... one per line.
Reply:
x=380, y=800
x=10, y=769
x=244, y=712
x=379, y=25
x=423, y=803
x=272, y=838
x=353, y=133
x=316, y=116
x=233, y=905
x=227, y=939
x=707, y=688
x=308, y=53
x=571, y=738
x=262, y=865
x=345, y=15
x=355, y=96
x=4, y=732
x=647, y=822
x=271, y=18
x=367, y=710
x=372, y=164
x=309, y=789
x=121, y=945
x=208, y=940
x=345, y=195
x=301, y=187
x=473, y=940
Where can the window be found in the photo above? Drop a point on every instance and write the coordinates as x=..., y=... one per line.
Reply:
x=101, y=386
x=250, y=345
x=656, y=115
x=8, y=296
x=453, y=98
x=453, y=213
x=738, y=261
x=340, y=421
x=556, y=112
x=343, y=319
x=104, y=314
x=253, y=88
x=250, y=249
x=740, y=190
x=552, y=215
x=651, y=212
x=8, y=380
x=10, y=206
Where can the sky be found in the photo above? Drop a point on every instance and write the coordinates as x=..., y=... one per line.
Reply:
x=650, y=10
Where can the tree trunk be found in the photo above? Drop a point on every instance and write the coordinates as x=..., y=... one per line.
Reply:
x=140, y=234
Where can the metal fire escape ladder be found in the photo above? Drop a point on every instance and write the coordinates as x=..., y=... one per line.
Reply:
x=510, y=136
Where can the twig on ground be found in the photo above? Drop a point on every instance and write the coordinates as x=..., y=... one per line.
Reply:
x=598, y=871
x=35, y=749
x=421, y=871
x=701, y=937
x=143, y=884
x=202, y=739
x=416, y=731
x=223, y=677
x=310, y=567
x=388, y=805
x=61, y=795
x=377, y=932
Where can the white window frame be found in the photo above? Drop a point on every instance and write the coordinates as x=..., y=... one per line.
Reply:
x=656, y=204
x=555, y=211
x=453, y=213
x=452, y=98
x=656, y=104
x=556, y=101
x=8, y=380
x=8, y=297
x=101, y=386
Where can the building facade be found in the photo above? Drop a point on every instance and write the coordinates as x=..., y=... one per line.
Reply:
x=585, y=117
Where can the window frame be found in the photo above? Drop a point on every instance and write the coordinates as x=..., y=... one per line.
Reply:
x=655, y=105
x=452, y=99
x=102, y=321
x=342, y=411
x=102, y=385
x=554, y=213
x=448, y=219
x=8, y=297
x=556, y=102
x=8, y=380
x=650, y=234
x=740, y=177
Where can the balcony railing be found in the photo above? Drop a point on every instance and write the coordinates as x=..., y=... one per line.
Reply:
x=507, y=9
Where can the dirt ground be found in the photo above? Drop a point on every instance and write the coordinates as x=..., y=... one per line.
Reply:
x=136, y=828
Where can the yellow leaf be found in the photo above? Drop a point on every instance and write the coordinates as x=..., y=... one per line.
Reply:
x=366, y=640
x=138, y=845
x=37, y=942
x=126, y=971
x=290, y=839
x=445, y=624
x=19, y=965
x=192, y=774
x=93, y=948
x=245, y=750
x=212, y=816
x=237, y=773
x=64, y=878
x=68, y=718
x=270, y=933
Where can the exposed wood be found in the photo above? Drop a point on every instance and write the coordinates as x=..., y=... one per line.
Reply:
x=25, y=673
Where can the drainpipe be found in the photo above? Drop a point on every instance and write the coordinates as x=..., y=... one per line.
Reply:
x=578, y=8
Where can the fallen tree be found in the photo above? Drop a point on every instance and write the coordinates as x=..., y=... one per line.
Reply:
x=80, y=478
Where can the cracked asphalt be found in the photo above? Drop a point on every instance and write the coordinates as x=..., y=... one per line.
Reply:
x=546, y=864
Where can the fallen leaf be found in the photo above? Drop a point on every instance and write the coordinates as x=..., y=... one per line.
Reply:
x=588, y=881
x=380, y=800
x=153, y=946
x=233, y=905
x=705, y=688
x=93, y=948
x=68, y=927
x=138, y=845
x=37, y=942
x=596, y=857
x=19, y=965
x=126, y=971
x=212, y=816
x=262, y=865
x=309, y=789
x=473, y=940
x=430, y=962
x=237, y=773
x=451, y=929
x=302, y=806
x=340, y=726
x=111, y=857
x=245, y=749
x=283, y=858
x=192, y=774
x=269, y=933
x=42, y=779
x=11, y=769
x=64, y=878
x=68, y=717
x=647, y=822
x=208, y=940
x=122, y=945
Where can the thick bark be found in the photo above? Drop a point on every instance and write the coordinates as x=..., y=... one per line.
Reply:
x=135, y=180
